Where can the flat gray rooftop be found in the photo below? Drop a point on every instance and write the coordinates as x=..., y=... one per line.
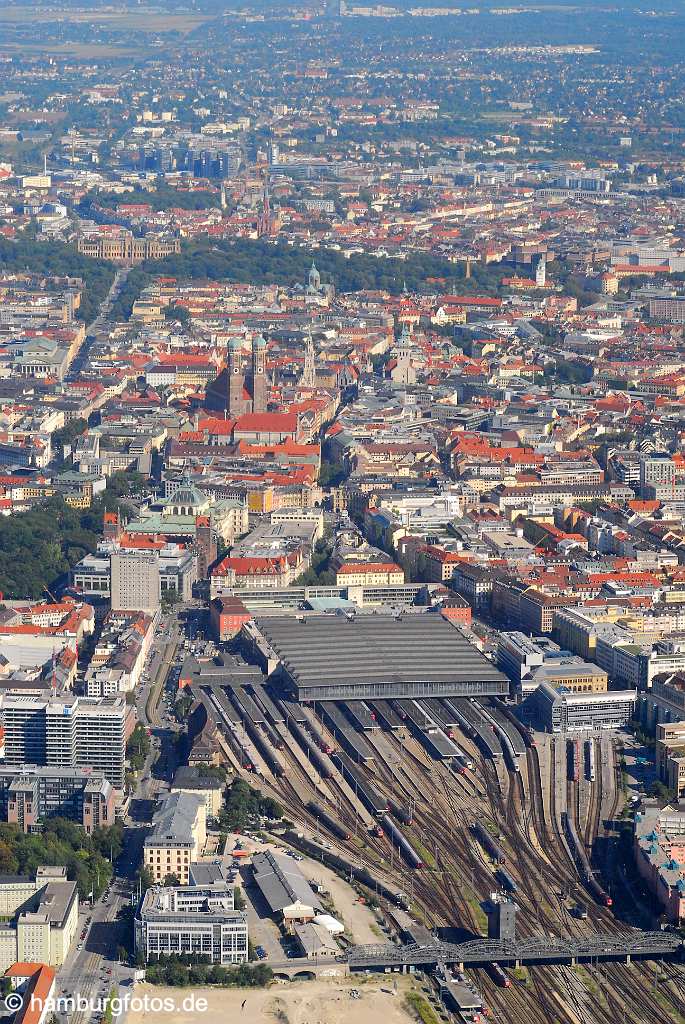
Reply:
x=336, y=657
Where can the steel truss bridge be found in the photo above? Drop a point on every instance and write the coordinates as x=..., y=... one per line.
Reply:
x=540, y=949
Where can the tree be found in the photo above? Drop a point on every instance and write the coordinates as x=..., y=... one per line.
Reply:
x=145, y=878
x=180, y=313
x=171, y=880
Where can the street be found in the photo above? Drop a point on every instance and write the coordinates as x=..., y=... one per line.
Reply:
x=92, y=969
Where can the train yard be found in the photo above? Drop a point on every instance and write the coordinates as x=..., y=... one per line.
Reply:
x=436, y=805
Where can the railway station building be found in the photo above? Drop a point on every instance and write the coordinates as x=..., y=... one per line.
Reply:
x=367, y=656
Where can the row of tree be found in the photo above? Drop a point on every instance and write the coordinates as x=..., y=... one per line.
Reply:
x=259, y=262
x=177, y=971
x=58, y=259
x=88, y=858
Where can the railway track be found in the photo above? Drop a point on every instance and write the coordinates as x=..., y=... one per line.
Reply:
x=449, y=891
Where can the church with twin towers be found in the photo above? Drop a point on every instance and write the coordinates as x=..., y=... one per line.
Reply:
x=241, y=385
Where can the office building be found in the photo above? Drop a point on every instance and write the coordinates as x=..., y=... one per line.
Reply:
x=192, y=920
x=68, y=732
x=669, y=308
x=670, y=756
x=657, y=476
x=39, y=917
x=561, y=712
x=177, y=837
x=135, y=580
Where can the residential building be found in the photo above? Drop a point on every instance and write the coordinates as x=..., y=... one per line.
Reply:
x=209, y=787
x=659, y=848
x=670, y=755
x=29, y=794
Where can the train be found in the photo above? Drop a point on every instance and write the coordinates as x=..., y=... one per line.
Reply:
x=499, y=976
x=387, y=716
x=510, y=739
x=349, y=868
x=581, y=859
x=401, y=812
x=312, y=727
x=368, y=794
x=310, y=748
x=590, y=760
x=491, y=847
x=401, y=842
x=473, y=724
x=334, y=827
x=506, y=881
x=574, y=760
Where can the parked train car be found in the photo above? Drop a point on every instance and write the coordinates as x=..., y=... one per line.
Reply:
x=581, y=859
x=401, y=842
x=310, y=748
x=368, y=794
x=505, y=880
x=573, y=753
x=351, y=869
x=475, y=726
x=387, y=716
x=333, y=826
x=510, y=740
x=590, y=760
x=489, y=844
x=498, y=975
x=402, y=813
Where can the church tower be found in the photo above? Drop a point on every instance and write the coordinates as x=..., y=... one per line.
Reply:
x=259, y=374
x=235, y=404
x=308, y=378
x=314, y=279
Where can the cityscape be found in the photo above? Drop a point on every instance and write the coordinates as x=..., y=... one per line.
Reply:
x=342, y=512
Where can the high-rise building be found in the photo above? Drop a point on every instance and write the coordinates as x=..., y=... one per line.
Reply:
x=657, y=475
x=135, y=582
x=67, y=732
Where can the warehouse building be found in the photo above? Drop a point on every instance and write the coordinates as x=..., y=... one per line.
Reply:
x=287, y=892
x=366, y=656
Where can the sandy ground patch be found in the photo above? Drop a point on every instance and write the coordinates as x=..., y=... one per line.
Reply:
x=326, y=1001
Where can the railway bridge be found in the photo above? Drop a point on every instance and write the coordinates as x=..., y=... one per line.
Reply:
x=518, y=952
